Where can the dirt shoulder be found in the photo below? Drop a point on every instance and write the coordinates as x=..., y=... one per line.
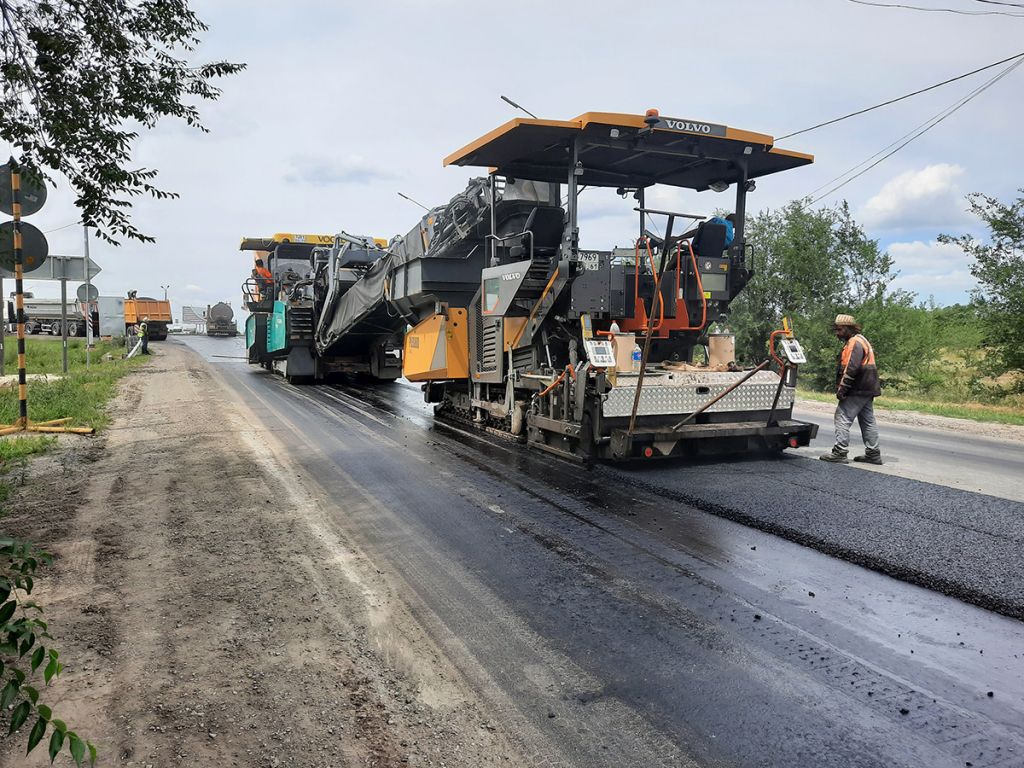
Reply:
x=928, y=421
x=210, y=609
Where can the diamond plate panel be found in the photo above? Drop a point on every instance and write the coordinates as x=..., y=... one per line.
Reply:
x=677, y=394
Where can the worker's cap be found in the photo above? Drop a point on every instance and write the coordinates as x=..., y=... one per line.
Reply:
x=845, y=321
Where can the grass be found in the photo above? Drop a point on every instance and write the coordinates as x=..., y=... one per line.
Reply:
x=82, y=395
x=997, y=414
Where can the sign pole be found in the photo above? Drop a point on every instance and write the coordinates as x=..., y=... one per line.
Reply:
x=3, y=326
x=88, y=303
x=64, y=323
x=35, y=196
x=19, y=295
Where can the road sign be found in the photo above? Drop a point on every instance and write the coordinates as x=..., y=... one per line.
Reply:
x=34, y=248
x=33, y=191
x=57, y=267
x=193, y=315
x=87, y=292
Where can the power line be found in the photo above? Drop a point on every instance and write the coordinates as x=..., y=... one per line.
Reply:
x=65, y=226
x=1000, y=2
x=936, y=10
x=902, y=98
x=915, y=134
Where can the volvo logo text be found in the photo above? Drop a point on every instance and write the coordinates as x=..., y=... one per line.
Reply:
x=685, y=125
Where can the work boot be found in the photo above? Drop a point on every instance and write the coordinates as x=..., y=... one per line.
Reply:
x=870, y=457
x=837, y=456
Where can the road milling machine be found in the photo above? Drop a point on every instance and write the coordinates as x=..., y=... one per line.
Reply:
x=511, y=325
x=293, y=295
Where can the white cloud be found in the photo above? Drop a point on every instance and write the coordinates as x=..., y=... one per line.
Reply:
x=925, y=198
x=933, y=268
x=322, y=171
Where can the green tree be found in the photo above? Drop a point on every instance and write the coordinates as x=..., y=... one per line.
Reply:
x=80, y=78
x=811, y=264
x=999, y=267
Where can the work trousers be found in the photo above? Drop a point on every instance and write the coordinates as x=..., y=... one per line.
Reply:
x=859, y=408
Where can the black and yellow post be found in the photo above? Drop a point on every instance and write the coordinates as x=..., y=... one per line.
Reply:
x=23, y=424
x=19, y=297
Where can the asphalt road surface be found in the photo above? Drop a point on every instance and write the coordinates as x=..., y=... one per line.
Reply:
x=624, y=616
x=971, y=462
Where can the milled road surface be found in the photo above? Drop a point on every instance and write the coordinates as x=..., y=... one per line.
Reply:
x=607, y=615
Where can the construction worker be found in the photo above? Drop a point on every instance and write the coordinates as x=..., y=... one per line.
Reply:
x=856, y=387
x=142, y=331
x=264, y=281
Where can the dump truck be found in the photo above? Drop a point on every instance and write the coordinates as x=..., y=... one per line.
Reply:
x=220, y=320
x=44, y=316
x=585, y=352
x=158, y=312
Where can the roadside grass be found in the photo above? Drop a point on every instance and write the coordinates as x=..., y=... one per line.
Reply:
x=983, y=412
x=81, y=395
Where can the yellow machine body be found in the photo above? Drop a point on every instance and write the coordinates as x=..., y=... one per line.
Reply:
x=438, y=348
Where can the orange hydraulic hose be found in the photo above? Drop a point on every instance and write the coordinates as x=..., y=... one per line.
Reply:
x=771, y=346
x=561, y=377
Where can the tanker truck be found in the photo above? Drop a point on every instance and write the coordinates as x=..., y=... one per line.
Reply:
x=220, y=320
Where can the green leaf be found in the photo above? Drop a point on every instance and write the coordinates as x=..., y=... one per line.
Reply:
x=31, y=692
x=37, y=657
x=59, y=725
x=77, y=749
x=19, y=716
x=44, y=712
x=7, y=611
x=29, y=583
x=50, y=671
x=93, y=754
x=56, y=742
x=36, y=735
x=9, y=692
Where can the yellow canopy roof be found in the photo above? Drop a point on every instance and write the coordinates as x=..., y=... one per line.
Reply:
x=625, y=150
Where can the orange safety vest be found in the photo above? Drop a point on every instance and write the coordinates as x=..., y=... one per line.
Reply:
x=869, y=352
x=863, y=379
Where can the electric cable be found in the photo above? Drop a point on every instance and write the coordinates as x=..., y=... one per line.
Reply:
x=902, y=98
x=884, y=149
x=936, y=10
x=918, y=132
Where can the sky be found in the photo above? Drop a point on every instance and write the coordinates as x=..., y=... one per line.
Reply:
x=344, y=104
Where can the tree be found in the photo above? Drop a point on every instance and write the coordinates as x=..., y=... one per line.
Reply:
x=811, y=264
x=80, y=78
x=999, y=267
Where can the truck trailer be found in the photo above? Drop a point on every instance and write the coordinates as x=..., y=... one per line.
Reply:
x=220, y=320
